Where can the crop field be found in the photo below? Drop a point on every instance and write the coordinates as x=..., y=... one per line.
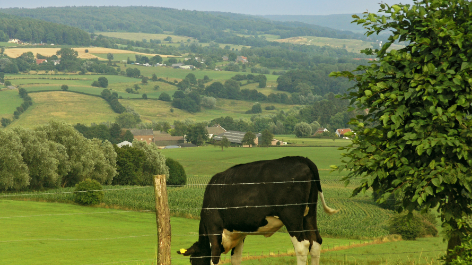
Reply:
x=175, y=39
x=168, y=72
x=16, y=52
x=65, y=106
x=294, y=141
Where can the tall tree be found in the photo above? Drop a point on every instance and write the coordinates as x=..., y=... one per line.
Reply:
x=416, y=138
x=69, y=61
x=249, y=139
x=224, y=143
x=266, y=138
x=197, y=134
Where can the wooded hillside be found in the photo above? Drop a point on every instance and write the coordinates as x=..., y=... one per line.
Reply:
x=37, y=31
x=204, y=26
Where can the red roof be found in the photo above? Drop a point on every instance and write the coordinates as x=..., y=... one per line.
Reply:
x=40, y=61
x=343, y=131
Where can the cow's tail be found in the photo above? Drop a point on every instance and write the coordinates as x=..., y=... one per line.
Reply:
x=316, y=179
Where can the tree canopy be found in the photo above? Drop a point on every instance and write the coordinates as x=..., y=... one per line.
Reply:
x=416, y=138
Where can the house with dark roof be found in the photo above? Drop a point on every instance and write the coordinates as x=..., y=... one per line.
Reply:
x=146, y=135
x=215, y=130
x=236, y=137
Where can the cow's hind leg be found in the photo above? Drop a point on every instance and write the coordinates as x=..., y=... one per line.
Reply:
x=297, y=233
x=311, y=230
x=237, y=253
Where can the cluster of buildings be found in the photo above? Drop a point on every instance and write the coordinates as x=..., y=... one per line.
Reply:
x=166, y=141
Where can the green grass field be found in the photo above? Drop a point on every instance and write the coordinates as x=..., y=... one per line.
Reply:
x=70, y=234
x=65, y=106
x=9, y=101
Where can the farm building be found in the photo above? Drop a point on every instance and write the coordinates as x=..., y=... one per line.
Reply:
x=241, y=59
x=165, y=139
x=143, y=135
x=40, y=61
x=235, y=137
x=215, y=130
x=341, y=132
x=320, y=131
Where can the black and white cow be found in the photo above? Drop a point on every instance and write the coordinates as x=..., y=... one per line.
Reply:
x=259, y=198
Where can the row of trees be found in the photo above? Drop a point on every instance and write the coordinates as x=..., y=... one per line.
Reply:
x=56, y=155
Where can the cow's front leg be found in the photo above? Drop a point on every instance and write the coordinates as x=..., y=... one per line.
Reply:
x=215, y=249
x=237, y=253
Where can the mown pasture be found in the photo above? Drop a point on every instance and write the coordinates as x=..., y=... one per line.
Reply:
x=65, y=106
x=9, y=101
x=150, y=109
x=72, y=234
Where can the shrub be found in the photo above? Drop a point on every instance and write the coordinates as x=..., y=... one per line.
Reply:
x=410, y=228
x=177, y=174
x=88, y=192
x=64, y=87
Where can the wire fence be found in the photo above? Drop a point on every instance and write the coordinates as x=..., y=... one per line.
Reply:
x=191, y=185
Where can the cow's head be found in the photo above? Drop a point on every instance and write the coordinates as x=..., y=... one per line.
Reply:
x=200, y=254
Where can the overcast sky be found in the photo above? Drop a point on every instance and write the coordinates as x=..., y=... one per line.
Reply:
x=252, y=7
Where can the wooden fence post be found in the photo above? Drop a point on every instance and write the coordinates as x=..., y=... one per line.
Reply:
x=162, y=220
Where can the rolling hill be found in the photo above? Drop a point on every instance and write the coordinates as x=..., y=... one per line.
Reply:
x=205, y=26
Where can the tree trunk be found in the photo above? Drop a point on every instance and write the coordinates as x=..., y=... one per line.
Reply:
x=454, y=241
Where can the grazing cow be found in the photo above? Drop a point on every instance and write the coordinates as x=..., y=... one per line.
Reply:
x=259, y=198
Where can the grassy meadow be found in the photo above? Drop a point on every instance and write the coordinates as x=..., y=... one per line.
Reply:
x=80, y=107
x=105, y=234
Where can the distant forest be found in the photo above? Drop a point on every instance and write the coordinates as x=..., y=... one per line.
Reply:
x=37, y=31
x=205, y=26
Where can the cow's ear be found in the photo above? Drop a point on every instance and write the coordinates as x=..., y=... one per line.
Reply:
x=187, y=252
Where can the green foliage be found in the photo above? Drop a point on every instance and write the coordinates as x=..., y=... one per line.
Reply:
x=177, y=175
x=249, y=139
x=302, y=129
x=416, y=137
x=5, y=122
x=103, y=81
x=127, y=120
x=14, y=173
x=7, y=83
x=37, y=31
x=144, y=96
x=154, y=162
x=413, y=226
x=224, y=143
x=164, y=97
x=64, y=87
x=266, y=138
x=256, y=108
x=129, y=166
x=88, y=192
x=197, y=134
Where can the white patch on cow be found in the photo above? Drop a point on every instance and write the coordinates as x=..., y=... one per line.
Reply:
x=306, y=211
x=315, y=252
x=301, y=250
x=231, y=239
x=237, y=257
x=327, y=210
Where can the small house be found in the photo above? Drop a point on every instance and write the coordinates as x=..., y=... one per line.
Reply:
x=241, y=59
x=320, y=131
x=40, y=61
x=341, y=132
x=146, y=135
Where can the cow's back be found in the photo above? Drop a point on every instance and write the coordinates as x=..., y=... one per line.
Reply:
x=244, y=195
